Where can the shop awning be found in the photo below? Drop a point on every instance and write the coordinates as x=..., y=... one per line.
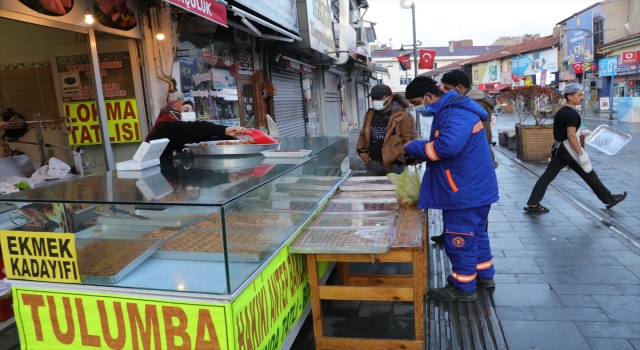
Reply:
x=379, y=68
x=245, y=17
x=494, y=87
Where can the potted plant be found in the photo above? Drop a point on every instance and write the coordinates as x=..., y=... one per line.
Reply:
x=533, y=141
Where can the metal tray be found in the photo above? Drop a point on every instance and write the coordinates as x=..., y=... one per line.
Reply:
x=607, y=140
x=221, y=162
x=367, y=183
x=158, y=219
x=121, y=231
x=81, y=242
x=197, y=148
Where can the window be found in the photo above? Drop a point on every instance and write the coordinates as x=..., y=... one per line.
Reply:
x=510, y=66
x=475, y=75
x=598, y=33
x=405, y=80
x=435, y=65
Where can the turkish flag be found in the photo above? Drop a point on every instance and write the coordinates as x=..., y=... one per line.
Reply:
x=515, y=78
x=426, y=59
x=577, y=67
x=405, y=62
x=630, y=57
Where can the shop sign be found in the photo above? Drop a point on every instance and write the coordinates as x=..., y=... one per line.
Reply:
x=608, y=66
x=578, y=44
x=535, y=62
x=281, y=12
x=246, y=62
x=300, y=67
x=213, y=10
x=625, y=69
x=505, y=78
x=60, y=320
x=269, y=307
x=630, y=57
x=122, y=121
x=566, y=75
x=321, y=36
x=488, y=72
x=40, y=256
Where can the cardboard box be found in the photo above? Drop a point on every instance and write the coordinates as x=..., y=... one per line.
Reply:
x=147, y=155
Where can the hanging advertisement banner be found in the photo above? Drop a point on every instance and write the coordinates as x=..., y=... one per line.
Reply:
x=116, y=17
x=535, y=62
x=578, y=42
x=281, y=12
x=505, y=78
x=405, y=62
x=489, y=72
x=608, y=66
x=71, y=12
x=75, y=320
x=213, y=10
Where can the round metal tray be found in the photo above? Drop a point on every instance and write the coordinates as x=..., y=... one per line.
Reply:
x=229, y=149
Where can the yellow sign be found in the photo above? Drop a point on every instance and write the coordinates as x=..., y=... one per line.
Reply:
x=266, y=311
x=55, y=320
x=122, y=120
x=40, y=256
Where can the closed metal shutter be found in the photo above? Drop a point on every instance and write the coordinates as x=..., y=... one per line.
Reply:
x=288, y=104
x=332, y=104
x=362, y=104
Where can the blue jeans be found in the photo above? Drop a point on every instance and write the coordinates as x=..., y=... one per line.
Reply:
x=466, y=242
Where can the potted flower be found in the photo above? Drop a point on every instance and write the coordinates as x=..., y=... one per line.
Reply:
x=534, y=141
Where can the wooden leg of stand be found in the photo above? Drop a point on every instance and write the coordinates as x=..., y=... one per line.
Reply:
x=316, y=304
x=343, y=272
x=418, y=297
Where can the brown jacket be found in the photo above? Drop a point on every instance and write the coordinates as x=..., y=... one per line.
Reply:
x=487, y=104
x=401, y=121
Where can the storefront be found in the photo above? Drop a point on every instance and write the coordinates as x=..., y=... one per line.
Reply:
x=59, y=69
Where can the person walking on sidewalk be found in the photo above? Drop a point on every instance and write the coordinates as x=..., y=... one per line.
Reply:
x=459, y=81
x=386, y=127
x=565, y=123
x=459, y=179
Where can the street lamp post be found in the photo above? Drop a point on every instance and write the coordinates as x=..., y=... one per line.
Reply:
x=415, y=48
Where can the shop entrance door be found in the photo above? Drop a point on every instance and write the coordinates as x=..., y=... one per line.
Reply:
x=122, y=91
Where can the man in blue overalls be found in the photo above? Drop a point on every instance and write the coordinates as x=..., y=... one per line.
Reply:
x=459, y=179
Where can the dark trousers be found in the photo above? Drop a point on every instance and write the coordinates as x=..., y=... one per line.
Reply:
x=557, y=163
x=376, y=168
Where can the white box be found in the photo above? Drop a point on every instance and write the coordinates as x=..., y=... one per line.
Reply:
x=147, y=155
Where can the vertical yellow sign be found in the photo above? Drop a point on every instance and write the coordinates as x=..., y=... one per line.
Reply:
x=40, y=256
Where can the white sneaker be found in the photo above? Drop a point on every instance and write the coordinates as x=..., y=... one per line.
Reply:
x=565, y=168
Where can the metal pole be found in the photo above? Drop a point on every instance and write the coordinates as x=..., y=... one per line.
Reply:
x=584, y=74
x=613, y=77
x=415, y=59
x=107, y=152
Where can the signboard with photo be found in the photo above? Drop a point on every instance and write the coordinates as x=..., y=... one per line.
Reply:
x=70, y=83
x=281, y=12
x=321, y=36
x=579, y=46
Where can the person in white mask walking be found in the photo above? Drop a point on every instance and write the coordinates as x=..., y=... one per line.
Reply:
x=177, y=122
x=387, y=126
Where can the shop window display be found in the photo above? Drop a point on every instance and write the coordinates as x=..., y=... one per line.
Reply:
x=208, y=77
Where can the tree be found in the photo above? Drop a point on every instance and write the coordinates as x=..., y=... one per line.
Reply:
x=533, y=101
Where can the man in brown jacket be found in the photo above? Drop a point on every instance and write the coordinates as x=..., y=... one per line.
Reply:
x=386, y=128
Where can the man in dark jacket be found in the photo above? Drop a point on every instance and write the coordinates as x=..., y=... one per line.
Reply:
x=459, y=81
x=459, y=179
x=386, y=127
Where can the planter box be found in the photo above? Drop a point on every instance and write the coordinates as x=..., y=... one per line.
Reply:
x=534, y=142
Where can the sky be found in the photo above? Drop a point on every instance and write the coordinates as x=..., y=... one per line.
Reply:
x=440, y=21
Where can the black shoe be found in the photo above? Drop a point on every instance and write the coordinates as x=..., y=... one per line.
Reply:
x=615, y=199
x=485, y=282
x=438, y=239
x=451, y=293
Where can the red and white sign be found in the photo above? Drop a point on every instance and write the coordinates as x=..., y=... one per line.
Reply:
x=300, y=67
x=405, y=62
x=515, y=78
x=577, y=67
x=426, y=59
x=209, y=9
x=630, y=57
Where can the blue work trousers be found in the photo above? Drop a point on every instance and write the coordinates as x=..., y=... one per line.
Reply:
x=466, y=242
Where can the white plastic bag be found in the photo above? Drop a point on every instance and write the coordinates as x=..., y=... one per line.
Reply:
x=56, y=169
x=272, y=127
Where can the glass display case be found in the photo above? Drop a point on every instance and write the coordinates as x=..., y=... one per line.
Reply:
x=204, y=224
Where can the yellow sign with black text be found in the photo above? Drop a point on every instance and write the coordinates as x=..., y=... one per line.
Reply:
x=122, y=120
x=73, y=320
x=40, y=256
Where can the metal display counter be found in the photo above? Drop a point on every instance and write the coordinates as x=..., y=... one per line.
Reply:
x=190, y=254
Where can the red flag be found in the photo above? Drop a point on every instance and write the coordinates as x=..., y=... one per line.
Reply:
x=515, y=78
x=405, y=62
x=577, y=67
x=426, y=58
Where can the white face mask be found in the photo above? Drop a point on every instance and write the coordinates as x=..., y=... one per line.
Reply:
x=379, y=105
x=188, y=116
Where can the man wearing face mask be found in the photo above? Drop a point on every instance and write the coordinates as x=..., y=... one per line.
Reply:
x=386, y=127
x=460, y=180
x=177, y=122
